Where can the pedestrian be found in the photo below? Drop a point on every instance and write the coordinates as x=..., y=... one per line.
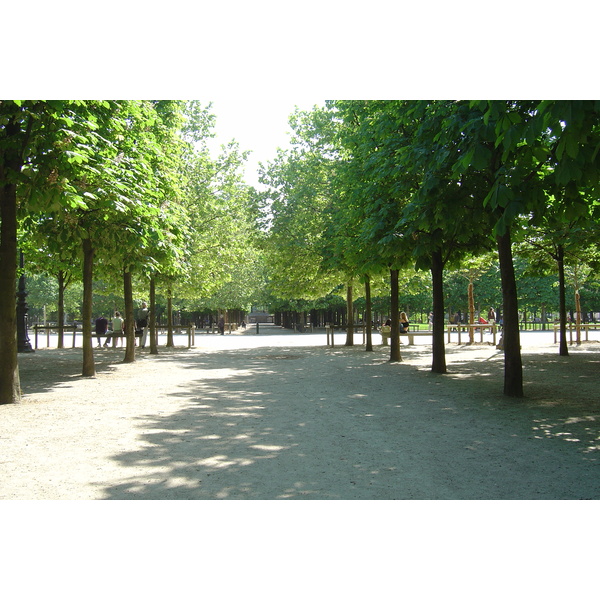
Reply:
x=431, y=320
x=404, y=322
x=142, y=323
x=491, y=317
x=101, y=328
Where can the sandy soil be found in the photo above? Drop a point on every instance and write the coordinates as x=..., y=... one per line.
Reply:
x=281, y=416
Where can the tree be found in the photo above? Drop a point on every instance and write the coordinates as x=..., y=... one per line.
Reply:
x=43, y=146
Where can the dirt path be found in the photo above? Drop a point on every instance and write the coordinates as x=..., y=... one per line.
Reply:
x=280, y=416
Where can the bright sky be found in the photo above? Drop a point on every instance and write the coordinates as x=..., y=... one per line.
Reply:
x=256, y=60
x=258, y=124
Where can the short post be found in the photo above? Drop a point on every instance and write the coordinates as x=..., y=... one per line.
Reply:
x=385, y=334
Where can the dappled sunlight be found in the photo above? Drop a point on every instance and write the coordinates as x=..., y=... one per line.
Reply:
x=584, y=431
x=334, y=423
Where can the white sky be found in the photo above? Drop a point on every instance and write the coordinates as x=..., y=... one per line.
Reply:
x=258, y=124
x=256, y=60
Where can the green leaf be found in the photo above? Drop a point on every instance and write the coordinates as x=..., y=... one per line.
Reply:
x=572, y=146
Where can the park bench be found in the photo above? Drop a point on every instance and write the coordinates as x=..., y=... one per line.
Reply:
x=111, y=335
x=465, y=327
x=329, y=330
x=189, y=329
x=411, y=335
x=48, y=328
x=385, y=335
x=574, y=327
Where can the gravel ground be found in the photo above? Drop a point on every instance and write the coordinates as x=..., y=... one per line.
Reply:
x=281, y=416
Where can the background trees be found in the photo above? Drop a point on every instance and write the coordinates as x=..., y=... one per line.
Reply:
x=427, y=184
x=111, y=190
x=127, y=193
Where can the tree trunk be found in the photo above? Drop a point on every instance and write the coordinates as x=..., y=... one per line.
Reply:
x=152, y=317
x=350, y=312
x=61, y=309
x=563, y=349
x=513, y=366
x=10, y=387
x=89, y=369
x=438, y=364
x=170, y=342
x=367, y=321
x=394, y=315
x=578, y=317
x=471, y=312
x=129, y=318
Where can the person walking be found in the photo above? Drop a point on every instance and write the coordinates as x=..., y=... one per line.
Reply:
x=142, y=323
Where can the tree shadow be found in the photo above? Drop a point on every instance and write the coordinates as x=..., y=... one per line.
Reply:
x=41, y=371
x=238, y=436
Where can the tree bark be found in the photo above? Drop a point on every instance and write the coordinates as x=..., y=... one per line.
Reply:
x=88, y=369
x=350, y=313
x=578, y=317
x=368, y=315
x=170, y=341
x=152, y=317
x=61, y=308
x=395, y=313
x=513, y=366
x=563, y=348
x=438, y=364
x=10, y=387
x=129, y=317
x=471, y=312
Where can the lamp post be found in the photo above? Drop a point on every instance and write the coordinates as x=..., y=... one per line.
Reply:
x=23, y=343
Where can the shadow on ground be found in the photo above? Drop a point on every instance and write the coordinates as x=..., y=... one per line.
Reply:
x=267, y=424
x=42, y=370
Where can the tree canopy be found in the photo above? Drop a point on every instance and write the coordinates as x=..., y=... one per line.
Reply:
x=369, y=193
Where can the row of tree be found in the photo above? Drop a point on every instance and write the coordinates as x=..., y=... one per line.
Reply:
x=125, y=192
x=372, y=190
x=538, y=297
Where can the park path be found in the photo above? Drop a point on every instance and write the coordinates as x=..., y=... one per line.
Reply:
x=280, y=416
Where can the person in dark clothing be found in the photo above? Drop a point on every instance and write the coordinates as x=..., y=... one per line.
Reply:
x=101, y=328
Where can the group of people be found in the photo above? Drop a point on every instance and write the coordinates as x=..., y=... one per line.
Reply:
x=403, y=323
x=457, y=318
x=118, y=328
